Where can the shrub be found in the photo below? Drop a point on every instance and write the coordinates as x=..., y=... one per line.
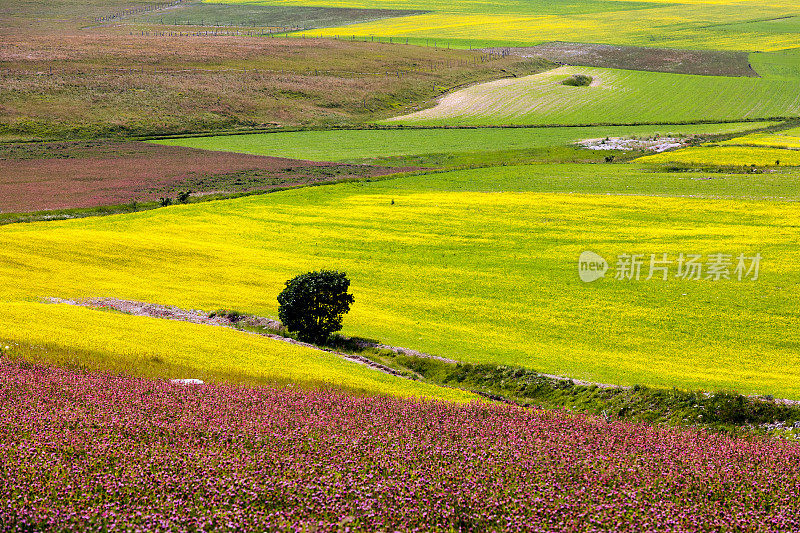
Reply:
x=231, y=315
x=578, y=80
x=313, y=304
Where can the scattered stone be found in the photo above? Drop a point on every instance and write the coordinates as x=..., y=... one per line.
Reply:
x=187, y=381
x=655, y=144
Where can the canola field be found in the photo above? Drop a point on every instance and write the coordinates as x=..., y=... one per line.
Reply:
x=760, y=156
x=356, y=145
x=110, y=341
x=614, y=97
x=477, y=265
x=698, y=24
x=766, y=149
x=789, y=139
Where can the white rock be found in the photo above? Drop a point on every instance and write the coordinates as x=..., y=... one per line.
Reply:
x=187, y=381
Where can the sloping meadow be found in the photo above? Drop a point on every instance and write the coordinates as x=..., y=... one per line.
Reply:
x=614, y=97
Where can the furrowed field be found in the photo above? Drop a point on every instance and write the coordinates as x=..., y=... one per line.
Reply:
x=615, y=97
x=478, y=266
x=83, y=451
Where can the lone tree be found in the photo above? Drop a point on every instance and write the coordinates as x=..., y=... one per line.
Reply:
x=313, y=304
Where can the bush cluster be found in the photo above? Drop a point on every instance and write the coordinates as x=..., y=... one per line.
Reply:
x=578, y=80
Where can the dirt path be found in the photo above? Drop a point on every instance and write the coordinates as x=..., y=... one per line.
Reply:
x=196, y=316
x=201, y=317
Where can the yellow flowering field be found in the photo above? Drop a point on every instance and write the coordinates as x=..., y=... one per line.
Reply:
x=760, y=156
x=705, y=24
x=789, y=139
x=475, y=265
x=111, y=341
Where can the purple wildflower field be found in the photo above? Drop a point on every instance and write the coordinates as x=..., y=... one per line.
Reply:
x=91, y=451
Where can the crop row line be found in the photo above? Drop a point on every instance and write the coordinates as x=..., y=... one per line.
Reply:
x=135, y=11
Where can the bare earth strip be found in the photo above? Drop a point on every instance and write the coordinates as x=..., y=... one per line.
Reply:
x=703, y=62
x=36, y=177
x=201, y=317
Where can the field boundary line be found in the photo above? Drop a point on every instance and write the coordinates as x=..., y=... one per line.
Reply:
x=392, y=127
x=169, y=312
x=194, y=316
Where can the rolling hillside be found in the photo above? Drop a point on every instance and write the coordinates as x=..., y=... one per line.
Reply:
x=614, y=97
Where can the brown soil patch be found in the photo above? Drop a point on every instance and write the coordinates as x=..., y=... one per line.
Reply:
x=47, y=176
x=703, y=62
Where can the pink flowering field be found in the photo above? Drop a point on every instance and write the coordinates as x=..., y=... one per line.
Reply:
x=96, y=452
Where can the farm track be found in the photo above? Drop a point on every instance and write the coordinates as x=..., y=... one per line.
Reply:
x=194, y=316
x=201, y=317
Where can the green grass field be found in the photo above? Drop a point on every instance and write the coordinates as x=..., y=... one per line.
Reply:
x=783, y=64
x=360, y=145
x=477, y=265
x=615, y=97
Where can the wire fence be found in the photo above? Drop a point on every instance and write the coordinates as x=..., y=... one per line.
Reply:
x=136, y=11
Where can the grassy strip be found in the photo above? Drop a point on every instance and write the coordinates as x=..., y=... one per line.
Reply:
x=725, y=411
x=777, y=123
x=468, y=160
x=65, y=214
